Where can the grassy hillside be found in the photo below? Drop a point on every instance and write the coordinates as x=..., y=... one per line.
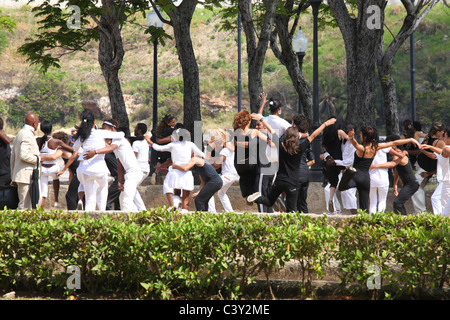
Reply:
x=216, y=53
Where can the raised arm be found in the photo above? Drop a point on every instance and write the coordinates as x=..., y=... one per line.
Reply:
x=320, y=129
x=398, y=142
x=263, y=98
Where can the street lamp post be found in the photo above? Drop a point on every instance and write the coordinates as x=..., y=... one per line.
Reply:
x=300, y=44
x=413, y=74
x=153, y=20
x=239, y=63
x=316, y=174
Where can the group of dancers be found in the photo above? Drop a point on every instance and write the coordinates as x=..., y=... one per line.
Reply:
x=267, y=156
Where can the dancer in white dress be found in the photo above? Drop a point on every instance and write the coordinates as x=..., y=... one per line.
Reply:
x=181, y=149
x=93, y=172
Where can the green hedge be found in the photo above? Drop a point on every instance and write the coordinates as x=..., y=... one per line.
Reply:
x=161, y=254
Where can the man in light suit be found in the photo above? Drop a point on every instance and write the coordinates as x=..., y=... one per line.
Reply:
x=24, y=160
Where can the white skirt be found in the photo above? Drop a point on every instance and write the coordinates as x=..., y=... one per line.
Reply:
x=177, y=179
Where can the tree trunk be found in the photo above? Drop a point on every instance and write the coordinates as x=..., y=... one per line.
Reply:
x=256, y=50
x=385, y=60
x=289, y=58
x=110, y=57
x=181, y=20
x=361, y=44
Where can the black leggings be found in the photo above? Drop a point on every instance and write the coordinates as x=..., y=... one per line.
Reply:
x=404, y=195
x=248, y=178
x=360, y=181
x=208, y=190
x=333, y=174
x=278, y=188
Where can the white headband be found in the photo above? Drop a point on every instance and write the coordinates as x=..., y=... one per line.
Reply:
x=109, y=124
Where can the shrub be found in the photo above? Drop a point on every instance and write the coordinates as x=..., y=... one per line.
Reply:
x=161, y=254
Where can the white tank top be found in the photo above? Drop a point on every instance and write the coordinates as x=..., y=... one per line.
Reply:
x=443, y=168
x=47, y=151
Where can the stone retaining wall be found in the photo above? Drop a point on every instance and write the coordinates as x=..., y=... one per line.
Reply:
x=153, y=197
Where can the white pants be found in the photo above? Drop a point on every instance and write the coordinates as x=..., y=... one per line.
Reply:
x=47, y=173
x=445, y=198
x=228, y=181
x=349, y=199
x=437, y=202
x=140, y=205
x=132, y=180
x=377, y=199
x=95, y=188
x=418, y=198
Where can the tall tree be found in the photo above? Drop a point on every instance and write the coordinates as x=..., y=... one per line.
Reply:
x=64, y=31
x=361, y=30
x=414, y=15
x=285, y=25
x=257, y=22
x=180, y=17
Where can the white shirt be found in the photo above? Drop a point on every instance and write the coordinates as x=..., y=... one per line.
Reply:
x=96, y=140
x=443, y=168
x=141, y=147
x=348, y=155
x=180, y=151
x=279, y=125
x=228, y=164
x=125, y=154
x=379, y=177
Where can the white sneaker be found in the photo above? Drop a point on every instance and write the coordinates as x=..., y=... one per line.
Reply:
x=57, y=205
x=80, y=205
x=253, y=197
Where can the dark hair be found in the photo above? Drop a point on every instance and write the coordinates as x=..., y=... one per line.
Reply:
x=46, y=128
x=159, y=131
x=435, y=127
x=61, y=135
x=349, y=127
x=417, y=125
x=369, y=135
x=301, y=122
x=290, y=140
x=396, y=137
x=274, y=105
x=1, y=124
x=142, y=127
x=330, y=134
x=408, y=128
x=87, y=122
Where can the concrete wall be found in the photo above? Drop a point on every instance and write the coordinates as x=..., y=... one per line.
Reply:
x=153, y=197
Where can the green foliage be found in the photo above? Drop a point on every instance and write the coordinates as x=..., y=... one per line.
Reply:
x=51, y=96
x=161, y=254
